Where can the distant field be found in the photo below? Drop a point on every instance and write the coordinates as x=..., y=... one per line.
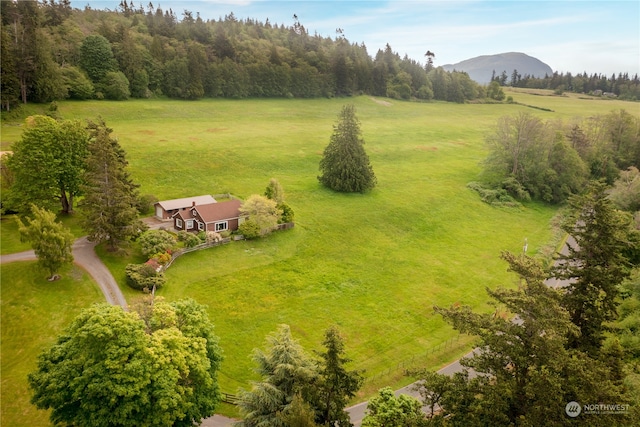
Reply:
x=373, y=264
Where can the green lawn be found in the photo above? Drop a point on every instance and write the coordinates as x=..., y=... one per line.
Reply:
x=33, y=313
x=373, y=264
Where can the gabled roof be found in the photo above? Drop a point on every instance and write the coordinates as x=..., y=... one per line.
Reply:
x=186, y=202
x=219, y=211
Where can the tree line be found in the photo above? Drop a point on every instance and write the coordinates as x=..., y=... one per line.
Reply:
x=622, y=85
x=530, y=158
x=51, y=51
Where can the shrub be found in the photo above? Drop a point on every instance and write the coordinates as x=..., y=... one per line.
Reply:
x=162, y=258
x=190, y=240
x=144, y=277
x=156, y=241
x=249, y=229
x=212, y=236
x=145, y=203
x=202, y=236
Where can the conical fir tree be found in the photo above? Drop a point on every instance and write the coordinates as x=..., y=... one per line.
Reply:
x=345, y=165
x=110, y=213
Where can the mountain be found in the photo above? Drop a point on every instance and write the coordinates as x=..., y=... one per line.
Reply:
x=481, y=68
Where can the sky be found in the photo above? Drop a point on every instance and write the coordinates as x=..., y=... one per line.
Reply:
x=569, y=36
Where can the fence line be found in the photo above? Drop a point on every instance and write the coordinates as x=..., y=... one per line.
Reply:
x=199, y=247
x=406, y=363
x=180, y=252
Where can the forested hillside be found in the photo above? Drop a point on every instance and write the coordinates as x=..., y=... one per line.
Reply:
x=51, y=51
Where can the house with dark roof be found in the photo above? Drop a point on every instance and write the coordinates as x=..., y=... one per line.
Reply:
x=218, y=217
x=166, y=209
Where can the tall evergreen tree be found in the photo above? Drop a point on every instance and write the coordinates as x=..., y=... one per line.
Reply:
x=336, y=386
x=286, y=371
x=111, y=197
x=345, y=165
x=526, y=372
x=595, y=264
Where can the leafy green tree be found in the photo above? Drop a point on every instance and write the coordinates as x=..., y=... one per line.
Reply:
x=111, y=197
x=50, y=240
x=274, y=191
x=494, y=91
x=96, y=57
x=345, y=165
x=595, y=264
x=78, y=85
x=262, y=211
x=386, y=410
x=625, y=193
x=156, y=241
x=112, y=367
x=115, y=86
x=286, y=371
x=48, y=163
x=336, y=386
x=525, y=371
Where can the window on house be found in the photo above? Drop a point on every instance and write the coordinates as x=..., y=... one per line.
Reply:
x=222, y=226
x=200, y=225
x=179, y=223
x=189, y=224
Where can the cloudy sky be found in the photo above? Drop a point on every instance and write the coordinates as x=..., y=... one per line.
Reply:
x=574, y=36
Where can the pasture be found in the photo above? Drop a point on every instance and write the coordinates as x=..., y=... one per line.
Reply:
x=373, y=264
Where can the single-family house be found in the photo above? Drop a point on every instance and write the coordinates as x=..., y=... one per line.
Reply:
x=166, y=209
x=221, y=216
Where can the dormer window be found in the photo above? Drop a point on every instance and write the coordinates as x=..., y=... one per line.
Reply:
x=193, y=212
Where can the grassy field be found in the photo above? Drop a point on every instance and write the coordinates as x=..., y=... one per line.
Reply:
x=373, y=264
x=33, y=313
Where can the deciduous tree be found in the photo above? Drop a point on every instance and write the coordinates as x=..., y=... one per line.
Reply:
x=112, y=367
x=345, y=165
x=262, y=211
x=111, y=197
x=50, y=240
x=386, y=410
x=48, y=163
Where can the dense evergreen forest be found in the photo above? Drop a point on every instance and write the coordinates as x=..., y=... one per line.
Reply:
x=51, y=51
x=622, y=86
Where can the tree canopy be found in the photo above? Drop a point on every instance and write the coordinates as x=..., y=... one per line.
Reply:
x=50, y=240
x=111, y=198
x=597, y=262
x=345, y=164
x=524, y=371
x=47, y=164
x=286, y=371
x=153, y=367
x=158, y=52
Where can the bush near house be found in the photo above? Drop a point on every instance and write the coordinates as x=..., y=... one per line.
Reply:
x=144, y=277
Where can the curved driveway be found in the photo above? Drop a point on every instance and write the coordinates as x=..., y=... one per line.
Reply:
x=85, y=256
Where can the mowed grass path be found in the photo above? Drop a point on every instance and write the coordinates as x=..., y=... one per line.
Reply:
x=373, y=264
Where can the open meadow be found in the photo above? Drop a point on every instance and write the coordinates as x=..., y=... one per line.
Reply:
x=373, y=264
